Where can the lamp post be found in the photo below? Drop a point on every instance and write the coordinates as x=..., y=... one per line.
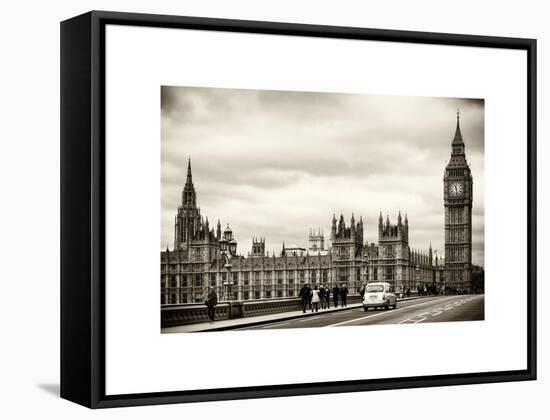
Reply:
x=227, y=285
x=418, y=278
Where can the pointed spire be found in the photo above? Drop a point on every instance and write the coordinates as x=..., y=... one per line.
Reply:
x=458, y=135
x=189, y=175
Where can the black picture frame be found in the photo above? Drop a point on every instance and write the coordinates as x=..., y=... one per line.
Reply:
x=83, y=208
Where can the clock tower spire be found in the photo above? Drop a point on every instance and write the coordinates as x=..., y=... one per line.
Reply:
x=458, y=200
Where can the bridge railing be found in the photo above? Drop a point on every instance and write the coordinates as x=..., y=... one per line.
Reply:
x=191, y=313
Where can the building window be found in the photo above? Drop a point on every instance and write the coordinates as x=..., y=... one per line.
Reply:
x=213, y=279
x=325, y=276
x=257, y=294
x=342, y=275
x=235, y=277
x=279, y=293
x=290, y=292
x=268, y=294
x=198, y=280
x=246, y=295
x=245, y=276
x=173, y=281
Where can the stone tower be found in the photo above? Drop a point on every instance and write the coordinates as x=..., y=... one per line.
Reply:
x=316, y=240
x=188, y=218
x=258, y=247
x=347, y=251
x=458, y=199
x=393, y=241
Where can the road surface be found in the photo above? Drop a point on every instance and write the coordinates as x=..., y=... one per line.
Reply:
x=429, y=309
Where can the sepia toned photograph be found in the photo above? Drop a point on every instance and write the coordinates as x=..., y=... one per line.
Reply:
x=287, y=209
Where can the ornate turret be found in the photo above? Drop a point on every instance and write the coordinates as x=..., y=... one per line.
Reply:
x=188, y=219
x=258, y=247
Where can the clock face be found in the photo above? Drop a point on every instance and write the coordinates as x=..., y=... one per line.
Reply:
x=456, y=189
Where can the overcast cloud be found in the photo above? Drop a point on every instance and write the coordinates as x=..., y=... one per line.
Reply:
x=275, y=164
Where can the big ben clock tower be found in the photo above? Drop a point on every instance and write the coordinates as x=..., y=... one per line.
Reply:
x=458, y=198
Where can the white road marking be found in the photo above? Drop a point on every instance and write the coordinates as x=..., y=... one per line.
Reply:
x=437, y=313
x=420, y=320
x=405, y=320
x=385, y=313
x=308, y=319
x=424, y=313
x=275, y=325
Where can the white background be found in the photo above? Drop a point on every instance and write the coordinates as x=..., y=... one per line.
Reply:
x=191, y=58
x=30, y=209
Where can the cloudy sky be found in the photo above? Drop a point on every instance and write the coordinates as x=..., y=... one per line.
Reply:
x=275, y=163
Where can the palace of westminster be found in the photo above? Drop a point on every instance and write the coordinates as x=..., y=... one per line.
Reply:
x=205, y=257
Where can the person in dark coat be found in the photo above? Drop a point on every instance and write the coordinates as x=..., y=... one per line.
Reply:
x=362, y=292
x=304, y=296
x=335, y=295
x=322, y=296
x=211, y=302
x=327, y=296
x=344, y=295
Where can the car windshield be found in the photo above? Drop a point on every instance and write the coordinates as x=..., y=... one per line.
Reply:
x=375, y=288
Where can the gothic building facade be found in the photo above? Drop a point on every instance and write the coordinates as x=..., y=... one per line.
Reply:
x=204, y=256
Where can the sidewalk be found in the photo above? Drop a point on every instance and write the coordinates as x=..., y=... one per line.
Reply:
x=230, y=324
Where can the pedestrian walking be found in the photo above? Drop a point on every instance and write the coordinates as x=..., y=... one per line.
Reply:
x=362, y=292
x=335, y=295
x=211, y=302
x=315, y=299
x=322, y=297
x=304, y=297
x=344, y=295
x=327, y=296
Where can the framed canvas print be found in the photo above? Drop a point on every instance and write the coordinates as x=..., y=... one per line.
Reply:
x=242, y=199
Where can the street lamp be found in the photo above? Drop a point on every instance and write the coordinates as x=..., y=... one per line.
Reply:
x=228, y=281
x=418, y=278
